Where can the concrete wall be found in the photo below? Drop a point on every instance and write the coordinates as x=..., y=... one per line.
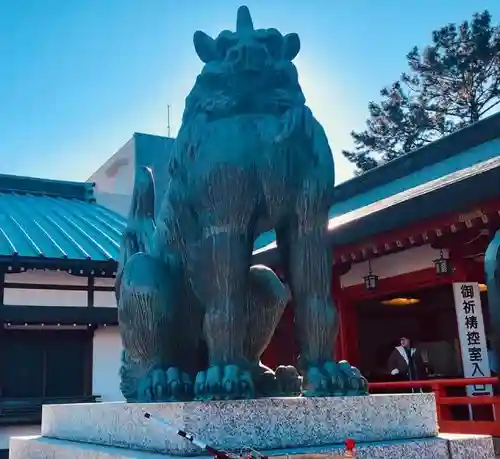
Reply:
x=114, y=180
x=107, y=349
x=414, y=259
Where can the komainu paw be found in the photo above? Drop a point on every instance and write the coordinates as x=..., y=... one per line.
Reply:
x=334, y=379
x=228, y=382
x=356, y=382
x=324, y=379
x=165, y=386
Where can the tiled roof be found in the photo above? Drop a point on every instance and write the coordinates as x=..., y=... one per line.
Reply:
x=37, y=225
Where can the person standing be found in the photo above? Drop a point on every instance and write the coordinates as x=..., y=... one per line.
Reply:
x=406, y=362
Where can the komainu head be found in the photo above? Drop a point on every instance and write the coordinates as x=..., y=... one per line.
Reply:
x=249, y=70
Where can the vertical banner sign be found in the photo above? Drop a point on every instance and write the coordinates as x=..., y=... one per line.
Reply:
x=472, y=336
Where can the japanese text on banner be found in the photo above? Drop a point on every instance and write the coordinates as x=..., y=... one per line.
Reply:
x=472, y=335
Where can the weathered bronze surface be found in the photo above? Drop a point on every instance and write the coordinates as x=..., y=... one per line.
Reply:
x=195, y=316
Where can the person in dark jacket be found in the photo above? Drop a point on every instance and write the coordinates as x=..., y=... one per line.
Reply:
x=406, y=362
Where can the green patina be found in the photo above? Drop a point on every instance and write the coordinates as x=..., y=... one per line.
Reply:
x=45, y=223
x=249, y=156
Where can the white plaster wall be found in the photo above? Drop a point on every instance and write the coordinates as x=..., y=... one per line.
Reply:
x=107, y=348
x=104, y=299
x=117, y=173
x=16, y=431
x=40, y=297
x=104, y=282
x=114, y=180
x=414, y=259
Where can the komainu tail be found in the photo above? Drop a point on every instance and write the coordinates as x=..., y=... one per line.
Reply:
x=135, y=242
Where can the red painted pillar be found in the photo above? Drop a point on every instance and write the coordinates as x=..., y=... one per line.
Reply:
x=340, y=345
x=347, y=339
x=282, y=348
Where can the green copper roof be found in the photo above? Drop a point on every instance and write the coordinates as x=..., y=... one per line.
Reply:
x=56, y=220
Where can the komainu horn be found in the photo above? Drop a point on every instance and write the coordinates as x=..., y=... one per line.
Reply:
x=195, y=316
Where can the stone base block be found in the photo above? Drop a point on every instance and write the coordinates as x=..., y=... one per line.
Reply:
x=263, y=424
x=441, y=447
x=470, y=446
x=496, y=445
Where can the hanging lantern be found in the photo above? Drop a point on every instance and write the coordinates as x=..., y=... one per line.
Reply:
x=371, y=280
x=442, y=265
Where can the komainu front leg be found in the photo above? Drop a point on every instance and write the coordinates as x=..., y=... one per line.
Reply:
x=147, y=317
x=308, y=265
x=219, y=280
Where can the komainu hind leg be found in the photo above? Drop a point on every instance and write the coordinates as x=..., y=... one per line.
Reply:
x=492, y=274
x=308, y=266
x=149, y=329
x=149, y=295
x=266, y=300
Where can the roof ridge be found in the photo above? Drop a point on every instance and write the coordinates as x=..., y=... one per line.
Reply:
x=51, y=187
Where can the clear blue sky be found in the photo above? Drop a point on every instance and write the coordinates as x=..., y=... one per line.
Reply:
x=78, y=77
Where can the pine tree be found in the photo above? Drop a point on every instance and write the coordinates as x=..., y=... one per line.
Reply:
x=450, y=84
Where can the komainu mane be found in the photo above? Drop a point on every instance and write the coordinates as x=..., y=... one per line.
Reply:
x=195, y=316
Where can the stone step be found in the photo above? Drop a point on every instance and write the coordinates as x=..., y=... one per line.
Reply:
x=45, y=448
x=269, y=423
x=441, y=447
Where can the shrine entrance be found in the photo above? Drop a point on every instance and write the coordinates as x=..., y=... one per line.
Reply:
x=427, y=316
x=44, y=363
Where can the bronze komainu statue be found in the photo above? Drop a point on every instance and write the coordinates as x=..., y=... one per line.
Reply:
x=249, y=157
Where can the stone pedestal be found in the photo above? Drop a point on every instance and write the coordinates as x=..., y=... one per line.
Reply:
x=384, y=426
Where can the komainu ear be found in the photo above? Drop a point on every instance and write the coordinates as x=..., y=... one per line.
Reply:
x=291, y=46
x=205, y=47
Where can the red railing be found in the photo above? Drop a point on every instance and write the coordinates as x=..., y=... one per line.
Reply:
x=485, y=409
